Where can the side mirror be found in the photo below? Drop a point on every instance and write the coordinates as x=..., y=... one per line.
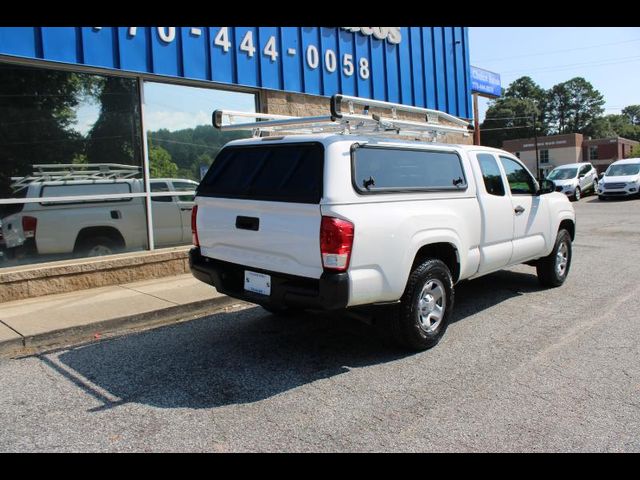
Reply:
x=600, y=175
x=546, y=186
x=582, y=176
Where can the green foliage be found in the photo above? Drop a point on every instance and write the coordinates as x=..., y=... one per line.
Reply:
x=633, y=114
x=635, y=152
x=192, y=147
x=160, y=164
x=115, y=137
x=38, y=112
x=572, y=106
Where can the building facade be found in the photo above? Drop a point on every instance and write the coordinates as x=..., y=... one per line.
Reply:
x=556, y=150
x=118, y=119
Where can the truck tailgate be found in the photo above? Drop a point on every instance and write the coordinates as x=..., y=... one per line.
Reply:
x=276, y=236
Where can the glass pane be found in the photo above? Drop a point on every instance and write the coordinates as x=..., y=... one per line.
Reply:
x=386, y=168
x=68, y=134
x=182, y=145
x=491, y=174
x=279, y=173
x=520, y=181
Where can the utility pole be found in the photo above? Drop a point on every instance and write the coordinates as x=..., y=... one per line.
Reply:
x=476, y=121
x=535, y=136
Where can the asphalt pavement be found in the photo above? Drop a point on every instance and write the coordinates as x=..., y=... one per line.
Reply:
x=521, y=368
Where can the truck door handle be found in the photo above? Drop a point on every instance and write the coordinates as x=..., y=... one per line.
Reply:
x=185, y=209
x=519, y=210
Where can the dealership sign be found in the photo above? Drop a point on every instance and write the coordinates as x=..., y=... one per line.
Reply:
x=485, y=82
x=421, y=66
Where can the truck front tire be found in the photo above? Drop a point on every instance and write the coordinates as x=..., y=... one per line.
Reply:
x=553, y=269
x=422, y=316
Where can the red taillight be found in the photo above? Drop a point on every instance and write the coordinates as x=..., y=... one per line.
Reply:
x=194, y=227
x=336, y=240
x=29, y=225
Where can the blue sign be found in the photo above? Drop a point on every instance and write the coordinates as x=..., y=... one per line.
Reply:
x=420, y=66
x=485, y=82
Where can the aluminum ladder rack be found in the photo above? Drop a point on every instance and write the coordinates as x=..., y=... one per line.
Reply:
x=344, y=119
x=62, y=172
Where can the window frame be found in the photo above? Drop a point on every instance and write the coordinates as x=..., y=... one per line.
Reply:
x=384, y=191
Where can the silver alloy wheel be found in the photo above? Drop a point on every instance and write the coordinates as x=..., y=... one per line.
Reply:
x=562, y=259
x=99, y=250
x=577, y=193
x=431, y=305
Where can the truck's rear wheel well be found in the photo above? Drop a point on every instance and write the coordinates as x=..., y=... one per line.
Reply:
x=442, y=251
x=570, y=227
x=86, y=235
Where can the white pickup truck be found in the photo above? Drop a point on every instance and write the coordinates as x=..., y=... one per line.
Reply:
x=335, y=221
x=96, y=227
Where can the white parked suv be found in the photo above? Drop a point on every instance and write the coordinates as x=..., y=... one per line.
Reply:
x=96, y=227
x=575, y=179
x=621, y=179
x=335, y=221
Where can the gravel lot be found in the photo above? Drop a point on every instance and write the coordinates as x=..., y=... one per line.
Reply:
x=519, y=369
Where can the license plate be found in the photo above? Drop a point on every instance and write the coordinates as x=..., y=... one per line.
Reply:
x=257, y=282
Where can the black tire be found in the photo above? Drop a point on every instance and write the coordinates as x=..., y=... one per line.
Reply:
x=600, y=197
x=550, y=271
x=98, y=246
x=406, y=323
x=577, y=195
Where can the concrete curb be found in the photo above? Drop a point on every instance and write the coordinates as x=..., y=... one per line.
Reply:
x=31, y=344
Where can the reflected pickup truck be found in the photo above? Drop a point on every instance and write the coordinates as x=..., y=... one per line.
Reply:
x=335, y=221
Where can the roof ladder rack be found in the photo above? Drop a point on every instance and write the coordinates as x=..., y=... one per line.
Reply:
x=344, y=119
x=61, y=172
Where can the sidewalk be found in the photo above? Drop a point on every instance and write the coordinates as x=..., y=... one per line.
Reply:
x=29, y=325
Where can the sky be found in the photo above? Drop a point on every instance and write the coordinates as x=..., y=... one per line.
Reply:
x=174, y=107
x=607, y=57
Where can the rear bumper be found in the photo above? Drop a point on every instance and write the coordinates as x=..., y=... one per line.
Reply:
x=330, y=292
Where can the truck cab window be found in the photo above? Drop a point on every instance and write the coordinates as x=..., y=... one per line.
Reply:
x=491, y=174
x=160, y=187
x=520, y=181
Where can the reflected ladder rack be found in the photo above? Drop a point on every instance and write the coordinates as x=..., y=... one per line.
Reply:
x=61, y=172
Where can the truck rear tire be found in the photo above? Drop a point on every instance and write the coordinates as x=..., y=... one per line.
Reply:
x=422, y=317
x=98, y=246
x=553, y=269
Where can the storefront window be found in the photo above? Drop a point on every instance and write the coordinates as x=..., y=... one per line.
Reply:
x=68, y=134
x=71, y=161
x=182, y=144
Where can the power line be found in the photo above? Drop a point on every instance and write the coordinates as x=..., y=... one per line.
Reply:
x=556, y=68
x=556, y=51
x=505, y=128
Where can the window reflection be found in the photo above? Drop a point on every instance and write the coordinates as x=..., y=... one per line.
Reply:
x=182, y=144
x=68, y=134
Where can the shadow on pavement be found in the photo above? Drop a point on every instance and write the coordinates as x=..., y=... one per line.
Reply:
x=248, y=355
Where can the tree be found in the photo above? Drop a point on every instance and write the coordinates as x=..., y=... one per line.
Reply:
x=116, y=135
x=511, y=116
x=633, y=113
x=160, y=164
x=37, y=116
x=572, y=106
x=635, y=152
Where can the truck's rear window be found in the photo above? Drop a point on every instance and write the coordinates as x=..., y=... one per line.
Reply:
x=274, y=172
